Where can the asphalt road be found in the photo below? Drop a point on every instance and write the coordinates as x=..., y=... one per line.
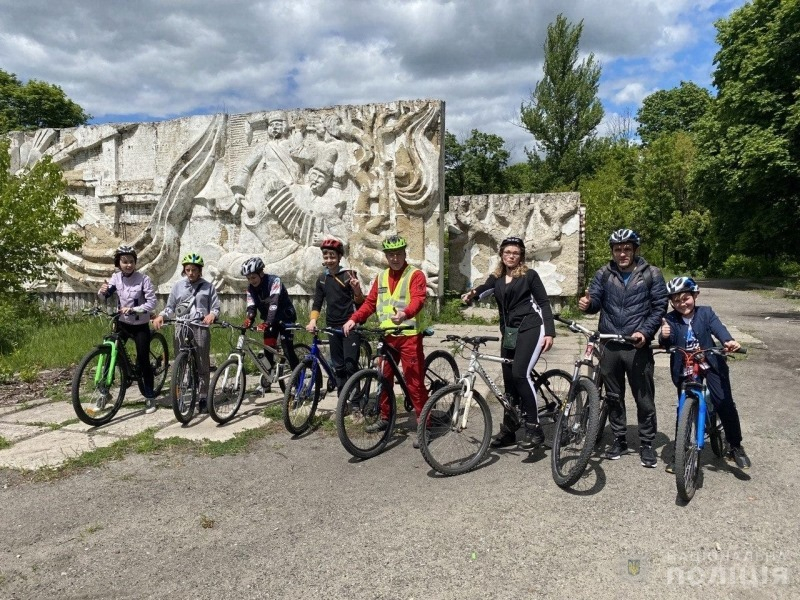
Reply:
x=298, y=518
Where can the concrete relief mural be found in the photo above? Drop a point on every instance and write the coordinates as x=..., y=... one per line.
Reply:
x=271, y=184
x=550, y=225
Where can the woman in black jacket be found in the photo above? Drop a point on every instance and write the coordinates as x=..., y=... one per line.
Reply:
x=525, y=313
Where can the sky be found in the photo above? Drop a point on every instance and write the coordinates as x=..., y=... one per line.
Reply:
x=149, y=60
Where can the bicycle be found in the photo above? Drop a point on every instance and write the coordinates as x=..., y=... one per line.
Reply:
x=358, y=411
x=107, y=371
x=227, y=387
x=580, y=423
x=697, y=419
x=455, y=426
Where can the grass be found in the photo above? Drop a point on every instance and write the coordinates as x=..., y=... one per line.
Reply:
x=4, y=443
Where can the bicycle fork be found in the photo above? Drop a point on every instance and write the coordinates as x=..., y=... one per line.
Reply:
x=108, y=375
x=700, y=394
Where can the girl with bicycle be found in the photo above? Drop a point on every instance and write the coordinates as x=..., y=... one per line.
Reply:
x=691, y=327
x=136, y=298
x=526, y=321
x=341, y=290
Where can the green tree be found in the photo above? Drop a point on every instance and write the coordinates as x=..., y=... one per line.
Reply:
x=476, y=166
x=564, y=110
x=34, y=212
x=670, y=111
x=36, y=104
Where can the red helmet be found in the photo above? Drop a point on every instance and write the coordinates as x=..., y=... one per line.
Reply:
x=332, y=244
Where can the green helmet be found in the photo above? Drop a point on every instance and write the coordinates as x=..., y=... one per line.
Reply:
x=193, y=259
x=394, y=242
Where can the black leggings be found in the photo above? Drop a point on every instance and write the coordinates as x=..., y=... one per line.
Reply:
x=517, y=375
x=141, y=338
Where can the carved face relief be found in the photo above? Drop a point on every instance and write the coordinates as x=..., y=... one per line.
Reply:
x=318, y=181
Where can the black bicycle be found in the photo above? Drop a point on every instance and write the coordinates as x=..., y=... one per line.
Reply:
x=107, y=371
x=367, y=407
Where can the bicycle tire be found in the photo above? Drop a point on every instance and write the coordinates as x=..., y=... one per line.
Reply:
x=364, y=354
x=441, y=370
x=96, y=403
x=159, y=360
x=227, y=391
x=552, y=388
x=358, y=409
x=715, y=430
x=302, y=396
x=448, y=445
x=687, y=454
x=285, y=369
x=603, y=419
x=184, y=387
x=575, y=433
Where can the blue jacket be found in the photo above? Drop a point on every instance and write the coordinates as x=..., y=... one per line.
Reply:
x=628, y=308
x=705, y=323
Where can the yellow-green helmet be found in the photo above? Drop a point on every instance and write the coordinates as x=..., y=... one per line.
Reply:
x=394, y=242
x=193, y=259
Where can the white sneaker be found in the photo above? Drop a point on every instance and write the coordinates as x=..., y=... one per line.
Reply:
x=150, y=406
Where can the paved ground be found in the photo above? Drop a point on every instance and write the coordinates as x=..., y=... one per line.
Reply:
x=299, y=517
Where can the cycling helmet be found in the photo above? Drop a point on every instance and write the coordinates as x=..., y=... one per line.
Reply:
x=622, y=236
x=682, y=284
x=332, y=244
x=513, y=241
x=252, y=265
x=124, y=251
x=193, y=259
x=394, y=242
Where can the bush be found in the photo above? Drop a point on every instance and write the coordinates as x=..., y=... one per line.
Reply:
x=759, y=267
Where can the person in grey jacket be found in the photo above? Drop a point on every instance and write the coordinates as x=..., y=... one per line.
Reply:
x=632, y=297
x=194, y=299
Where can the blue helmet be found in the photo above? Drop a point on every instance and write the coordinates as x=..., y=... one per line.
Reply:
x=679, y=285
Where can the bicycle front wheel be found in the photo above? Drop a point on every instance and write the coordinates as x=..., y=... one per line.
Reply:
x=440, y=370
x=227, y=391
x=184, y=387
x=364, y=354
x=715, y=430
x=575, y=433
x=552, y=390
x=454, y=432
x=159, y=360
x=687, y=453
x=364, y=422
x=302, y=396
x=97, y=389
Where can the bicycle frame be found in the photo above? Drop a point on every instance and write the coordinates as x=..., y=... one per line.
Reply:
x=114, y=341
x=695, y=384
x=244, y=347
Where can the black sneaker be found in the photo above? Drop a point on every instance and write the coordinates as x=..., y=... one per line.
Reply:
x=202, y=407
x=379, y=425
x=504, y=439
x=618, y=448
x=738, y=456
x=534, y=436
x=648, y=456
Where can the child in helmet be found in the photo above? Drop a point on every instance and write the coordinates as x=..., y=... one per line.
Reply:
x=194, y=299
x=341, y=290
x=268, y=296
x=691, y=327
x=136, y=298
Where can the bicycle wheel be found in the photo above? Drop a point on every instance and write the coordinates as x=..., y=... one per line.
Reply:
x=552, y=389
x=714, y=428
x=301, y=396
x=575, y=432
x=184, y=387
x=285, y=369
x=364, y=354
x=96, y=399
x=440, y=370
x=453, y=432
x=687, y=454
x=363, y=431
x=159, y=361
x=603, y=419
x=227, y=391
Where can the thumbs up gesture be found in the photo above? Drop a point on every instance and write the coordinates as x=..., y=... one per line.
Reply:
x=585, y=300
x=666, y=330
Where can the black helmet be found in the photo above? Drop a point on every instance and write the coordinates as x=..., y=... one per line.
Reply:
x=124, y=251
x=513, y=241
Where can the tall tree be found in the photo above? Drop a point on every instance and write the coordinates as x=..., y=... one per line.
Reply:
x=669, y=111
x=564, y=110
x=476, y=166
x=36, y=104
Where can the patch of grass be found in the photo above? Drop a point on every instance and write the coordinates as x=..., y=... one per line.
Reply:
x=51, y=426
x=273, y=411
x=4, y=443
x=91, y=529
x=206, y=522
x=240, y=442
x=326, y=424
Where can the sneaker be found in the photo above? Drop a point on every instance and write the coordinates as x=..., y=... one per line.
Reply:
x=534, y=436
x=202, y=407
x=150, y=406
x=670, y=468
x=648, y=456
x=379, y=425
x=619, y=448
x=504, y=439
x=414, y=441
x=738, y=456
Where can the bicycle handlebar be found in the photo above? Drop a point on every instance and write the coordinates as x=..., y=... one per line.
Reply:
x=382, y=331
x=576, y=327
x=472, y=340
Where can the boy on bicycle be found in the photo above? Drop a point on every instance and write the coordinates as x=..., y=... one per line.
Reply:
x=269, y=297
x=341, y=290
x=691, y=327
x=194, y=299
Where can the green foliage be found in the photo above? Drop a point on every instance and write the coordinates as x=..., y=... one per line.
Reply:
x=4, y=443
x=476, y=166
x=35, y=105
x=759, y=267
x=671, y=111
x=564, y=110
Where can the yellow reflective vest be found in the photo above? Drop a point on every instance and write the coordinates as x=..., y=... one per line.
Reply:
x=388, y=304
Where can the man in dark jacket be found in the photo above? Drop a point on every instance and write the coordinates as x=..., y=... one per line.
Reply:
x=632, y=297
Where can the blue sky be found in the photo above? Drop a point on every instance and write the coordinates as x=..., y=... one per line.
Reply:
x=155, y=59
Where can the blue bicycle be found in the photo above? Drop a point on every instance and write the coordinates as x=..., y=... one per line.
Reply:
x=696, y=420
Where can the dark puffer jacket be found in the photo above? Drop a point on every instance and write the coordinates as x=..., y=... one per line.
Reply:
x=632, y=307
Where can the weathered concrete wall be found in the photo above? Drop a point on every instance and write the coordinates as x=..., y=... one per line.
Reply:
x=271, y=184
x=550, y=225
